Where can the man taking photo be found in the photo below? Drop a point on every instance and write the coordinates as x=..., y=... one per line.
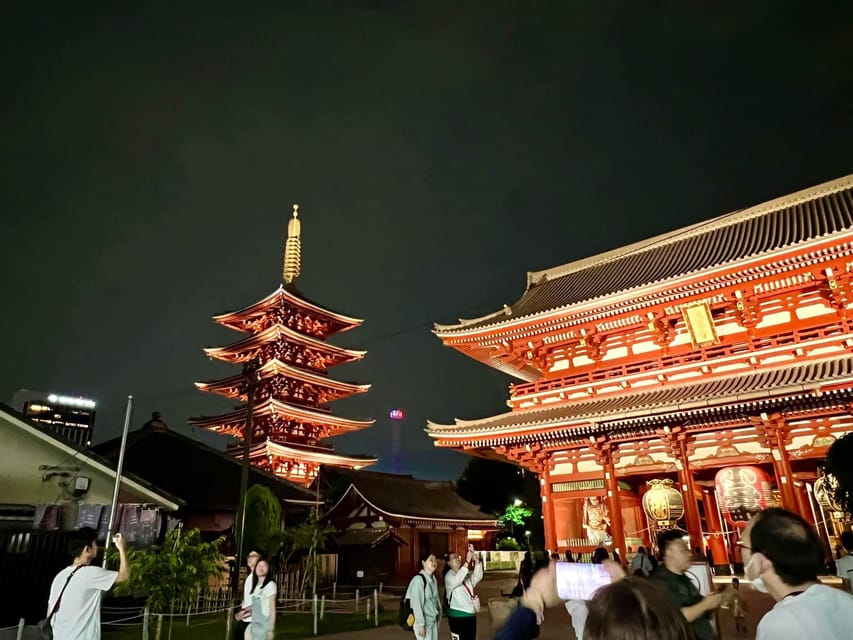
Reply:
x=74, y=605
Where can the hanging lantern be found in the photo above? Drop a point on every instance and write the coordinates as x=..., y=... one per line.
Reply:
x=825, y=489
x=662, y=503
x=742, y=492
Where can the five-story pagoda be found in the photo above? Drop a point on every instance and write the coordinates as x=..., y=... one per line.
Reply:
x=284, y=387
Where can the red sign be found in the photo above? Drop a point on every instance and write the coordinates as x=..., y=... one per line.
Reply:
x=742, y=492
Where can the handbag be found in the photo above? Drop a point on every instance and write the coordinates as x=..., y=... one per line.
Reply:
x=44, y=627
x=475, y=599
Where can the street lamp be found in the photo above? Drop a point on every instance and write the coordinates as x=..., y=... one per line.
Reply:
x=527, y=535
x=517, y=502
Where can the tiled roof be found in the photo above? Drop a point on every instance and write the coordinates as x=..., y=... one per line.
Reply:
x=203, y=476
x=784, y=222
x=598, y=415
x=405, y=496
x=366, y=538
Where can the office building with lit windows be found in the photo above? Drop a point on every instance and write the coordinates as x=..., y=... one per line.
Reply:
x=70, y=417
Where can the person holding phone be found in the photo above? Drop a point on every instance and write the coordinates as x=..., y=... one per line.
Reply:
x=627, y=608
x=74, y=605
x=464, y=604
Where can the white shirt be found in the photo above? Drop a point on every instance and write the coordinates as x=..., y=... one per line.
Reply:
x=247, y=597
x=265, y=593
x=79, y=613
x=844, y=567
x=820, y=612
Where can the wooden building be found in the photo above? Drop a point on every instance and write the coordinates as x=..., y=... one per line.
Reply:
x=283, y=386
x=687, y=381
x=383, y=521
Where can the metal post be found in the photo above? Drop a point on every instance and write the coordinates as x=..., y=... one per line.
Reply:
x=244, y=474
x=315, y=614
x=334, y=590
x=375, y=608
x=119, y=470
x=21, y=624
x=145, y=615
x=322, y=606
x=356, y=600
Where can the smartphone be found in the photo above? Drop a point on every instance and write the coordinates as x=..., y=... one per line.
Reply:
x=579, y=581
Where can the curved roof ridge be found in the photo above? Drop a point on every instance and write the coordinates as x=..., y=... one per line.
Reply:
x=718, y=222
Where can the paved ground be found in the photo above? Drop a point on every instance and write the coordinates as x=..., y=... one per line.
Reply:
x=558, y=623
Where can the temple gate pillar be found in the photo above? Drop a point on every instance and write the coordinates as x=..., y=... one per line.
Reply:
x=716, y=541
x=774, y=432
x=548, y=515
x=606, y=454
x=679, y=444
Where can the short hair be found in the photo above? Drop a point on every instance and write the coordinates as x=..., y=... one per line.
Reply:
x=634, y=609
x=847, y=540
x=80, y=539
x=790, y=543
x=667, y=537
x=641, y=549
x=600, y=555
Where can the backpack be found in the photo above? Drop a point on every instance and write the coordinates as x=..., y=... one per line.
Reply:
x=406, y=617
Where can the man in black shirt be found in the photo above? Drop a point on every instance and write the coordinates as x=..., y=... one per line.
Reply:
x=671, y=575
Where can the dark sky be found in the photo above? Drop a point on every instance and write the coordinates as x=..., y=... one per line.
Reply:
x=438, y=150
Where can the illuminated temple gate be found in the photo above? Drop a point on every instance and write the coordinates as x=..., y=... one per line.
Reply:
x=703, y=372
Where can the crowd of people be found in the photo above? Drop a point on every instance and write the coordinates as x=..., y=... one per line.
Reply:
x=783, y=557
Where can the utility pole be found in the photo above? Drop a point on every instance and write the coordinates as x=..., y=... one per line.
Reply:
x=240, y=521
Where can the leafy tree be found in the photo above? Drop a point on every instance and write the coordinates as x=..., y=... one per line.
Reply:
x=508, y=544
x=515, y=514
x=263, y=521
x=175, y=570
x=301, y=542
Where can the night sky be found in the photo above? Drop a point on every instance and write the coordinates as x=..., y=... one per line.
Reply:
x=438, y=151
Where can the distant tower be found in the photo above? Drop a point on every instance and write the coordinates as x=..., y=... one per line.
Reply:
x=397, y=416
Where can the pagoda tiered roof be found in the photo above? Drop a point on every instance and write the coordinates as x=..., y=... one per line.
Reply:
x=790, y=388
x=246, y=319
x=244, y=350
x=777, y=225
x=235, y=386
x=304, y=453
x=234, y=422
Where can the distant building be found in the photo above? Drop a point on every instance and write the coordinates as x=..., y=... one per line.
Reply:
x=70, y=417
x=383, y=520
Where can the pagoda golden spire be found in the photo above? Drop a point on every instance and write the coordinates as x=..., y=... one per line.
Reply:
x=293, y=249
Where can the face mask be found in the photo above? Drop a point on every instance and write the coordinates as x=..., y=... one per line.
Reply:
x=757, y=582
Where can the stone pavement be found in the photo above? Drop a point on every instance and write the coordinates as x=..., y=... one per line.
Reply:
x=558, y=623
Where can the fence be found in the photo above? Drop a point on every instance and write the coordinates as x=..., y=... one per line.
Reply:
x=217, y=607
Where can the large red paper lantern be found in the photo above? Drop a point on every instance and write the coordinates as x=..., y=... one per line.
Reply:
x=742, y=492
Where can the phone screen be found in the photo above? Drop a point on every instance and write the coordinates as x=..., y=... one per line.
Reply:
x=578, y=581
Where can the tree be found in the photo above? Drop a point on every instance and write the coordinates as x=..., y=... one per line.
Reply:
x=839, y=464
x=263, y=521
x=301, y=542
x=176, y=570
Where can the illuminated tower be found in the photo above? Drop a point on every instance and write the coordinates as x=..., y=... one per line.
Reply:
x=286, y=352
x=397, y=416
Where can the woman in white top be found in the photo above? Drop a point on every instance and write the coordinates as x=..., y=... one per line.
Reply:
x=459, y=583
x=263, y=595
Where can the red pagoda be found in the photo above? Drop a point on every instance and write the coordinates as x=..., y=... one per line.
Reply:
x=285, y=359
x=686, y=381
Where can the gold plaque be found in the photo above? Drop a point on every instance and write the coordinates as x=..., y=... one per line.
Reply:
x=700, y=324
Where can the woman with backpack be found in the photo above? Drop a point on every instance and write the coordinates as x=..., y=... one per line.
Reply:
x=459, y=583
x=422, y=595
